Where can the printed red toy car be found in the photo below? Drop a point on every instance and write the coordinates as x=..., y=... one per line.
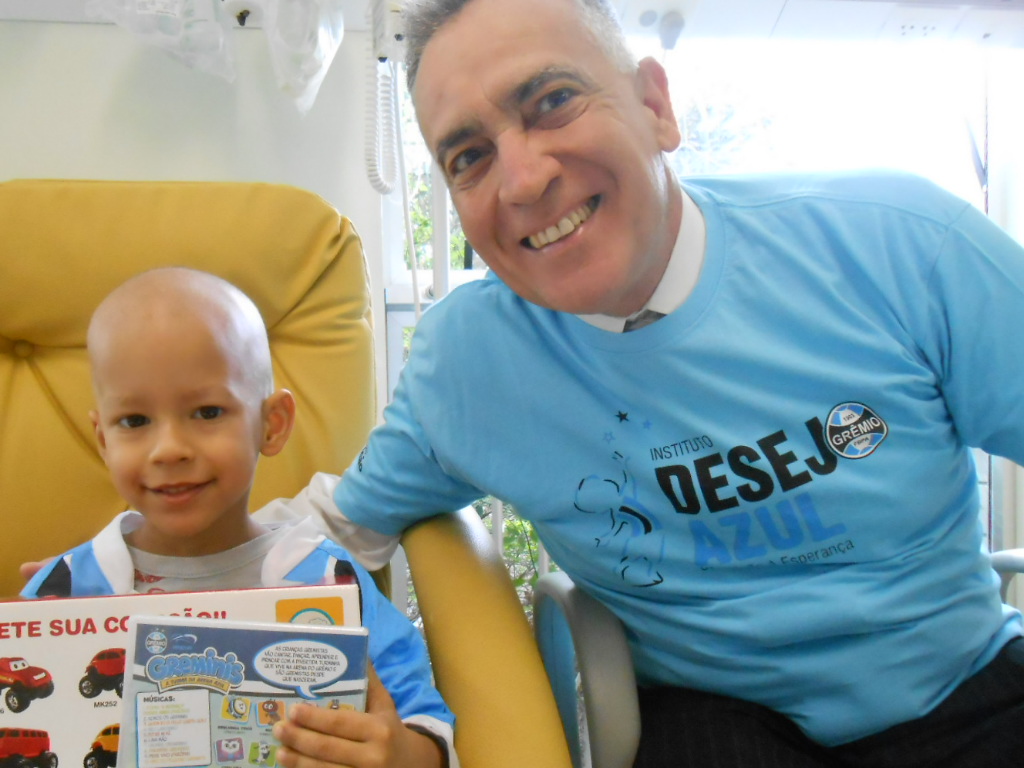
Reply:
x=104, y=673
x=23, y=682
x=26, y=747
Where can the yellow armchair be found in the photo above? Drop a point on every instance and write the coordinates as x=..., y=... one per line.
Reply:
x=65, y=244
x=486, y=663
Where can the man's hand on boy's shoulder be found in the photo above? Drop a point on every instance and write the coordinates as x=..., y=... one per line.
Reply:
x=371, y=549
x=376, y=738
x=30, y=569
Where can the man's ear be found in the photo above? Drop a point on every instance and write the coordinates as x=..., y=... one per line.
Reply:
x=278, y=420
x=101, y=440
x=652, y=83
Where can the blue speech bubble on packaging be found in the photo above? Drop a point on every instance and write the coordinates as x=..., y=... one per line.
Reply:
x=301, y=665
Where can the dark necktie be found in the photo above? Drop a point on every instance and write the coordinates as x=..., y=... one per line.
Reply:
x=646, y=317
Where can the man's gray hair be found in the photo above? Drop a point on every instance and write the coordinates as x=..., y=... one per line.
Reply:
x=423, y=18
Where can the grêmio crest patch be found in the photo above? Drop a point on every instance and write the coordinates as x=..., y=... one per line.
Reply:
x=854, y=431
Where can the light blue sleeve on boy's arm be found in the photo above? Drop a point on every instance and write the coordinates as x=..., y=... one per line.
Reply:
x=400, y=657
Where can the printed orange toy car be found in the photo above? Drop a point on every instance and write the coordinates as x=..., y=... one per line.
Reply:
x=103, y=753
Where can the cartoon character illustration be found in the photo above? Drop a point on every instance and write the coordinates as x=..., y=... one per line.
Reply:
x=103, y=753
x=236, y=708
x=26, y=747
x=230, y=750
x=262, y=753
x=633, y=530
x=104, y=673
x=270, y=712
x=23, y=682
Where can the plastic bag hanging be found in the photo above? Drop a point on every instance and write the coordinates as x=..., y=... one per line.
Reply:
x=303, y=36
x=195, y=32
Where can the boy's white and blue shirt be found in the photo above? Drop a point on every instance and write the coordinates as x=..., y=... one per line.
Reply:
x=300, y=555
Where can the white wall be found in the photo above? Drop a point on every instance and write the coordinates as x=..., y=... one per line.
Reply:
x=91, y=101
x=1006, y=149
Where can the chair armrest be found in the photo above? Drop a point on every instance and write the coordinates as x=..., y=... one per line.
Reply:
x=1008, y=563
x=578, y=635
x=486, y=663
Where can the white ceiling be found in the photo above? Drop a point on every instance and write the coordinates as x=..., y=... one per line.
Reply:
x=74, y=11
x=999, y=22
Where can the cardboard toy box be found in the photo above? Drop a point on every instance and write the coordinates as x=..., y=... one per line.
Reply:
x=62, y=661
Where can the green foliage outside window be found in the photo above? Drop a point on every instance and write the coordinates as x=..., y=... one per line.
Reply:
x=521, y=550
x=423, y=226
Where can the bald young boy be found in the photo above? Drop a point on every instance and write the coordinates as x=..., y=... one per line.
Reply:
x=185, y=406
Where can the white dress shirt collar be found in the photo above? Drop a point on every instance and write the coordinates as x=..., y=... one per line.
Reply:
x=680, y=274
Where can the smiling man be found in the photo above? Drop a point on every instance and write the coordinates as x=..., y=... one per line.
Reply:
x=738, y=411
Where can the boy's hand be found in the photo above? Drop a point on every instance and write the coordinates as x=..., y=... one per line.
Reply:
x=313, y=736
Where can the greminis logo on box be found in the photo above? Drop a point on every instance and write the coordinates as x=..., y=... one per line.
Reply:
x=854, y=430
x=205, y=670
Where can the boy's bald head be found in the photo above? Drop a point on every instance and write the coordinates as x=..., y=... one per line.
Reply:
x=193, y=301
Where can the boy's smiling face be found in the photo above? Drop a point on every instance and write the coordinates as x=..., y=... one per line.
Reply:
x=181, y=423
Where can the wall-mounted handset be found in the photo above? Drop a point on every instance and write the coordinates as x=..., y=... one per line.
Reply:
x=385, y=18
x=385, y=161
